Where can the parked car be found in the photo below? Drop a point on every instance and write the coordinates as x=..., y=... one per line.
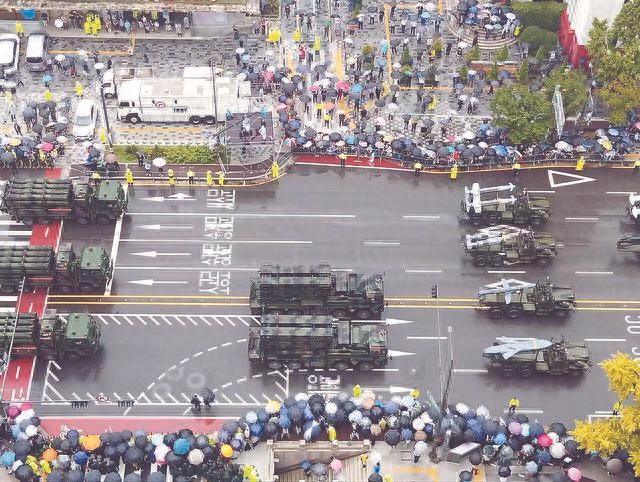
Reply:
x=37, y=54
x=84, y=122
x=9, y=53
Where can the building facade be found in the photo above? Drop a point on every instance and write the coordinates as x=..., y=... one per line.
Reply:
x=576, y=22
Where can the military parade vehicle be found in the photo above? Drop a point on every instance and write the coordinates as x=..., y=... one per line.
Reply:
x=633, y=208
x=512, y=298
x=508, y=245
x=526, y=356
x=630, y=244
x=484, y=206
x=316, y=290
x=33, y=201
x=65, y=272
x=301, y=341
x=54, y=336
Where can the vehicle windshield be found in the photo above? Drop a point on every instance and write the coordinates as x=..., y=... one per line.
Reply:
x=83, y=120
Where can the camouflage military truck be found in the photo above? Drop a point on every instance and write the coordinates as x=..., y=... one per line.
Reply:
x=301, y=341
x=507, y=245
x=316, y=290
x=53, y=336
x=630, y=244
x=484, y=206
x=65, y=272
x=512, y=298
x=45, y=200
x=525, y=356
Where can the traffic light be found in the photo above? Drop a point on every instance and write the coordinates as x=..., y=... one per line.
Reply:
x=434, y=291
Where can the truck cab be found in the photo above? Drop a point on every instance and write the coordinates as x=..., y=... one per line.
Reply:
x=74, y=336
x=93, y=269
x=101, y=204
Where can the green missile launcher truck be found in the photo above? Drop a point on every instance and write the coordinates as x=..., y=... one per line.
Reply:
x=54, y=336
x=316, y=290
x=302, y=341
x=41, y=201
x=64, y=272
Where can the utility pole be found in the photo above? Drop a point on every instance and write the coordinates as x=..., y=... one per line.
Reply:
x=434, y=295
x=105, y=115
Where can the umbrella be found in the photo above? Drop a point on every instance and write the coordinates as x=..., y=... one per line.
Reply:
x=159, y=162
x=544, y=457
x=305, y=98
x=557, y=450
x=375, y=478
x=113, y=477
x=465, y=476
x=336, y=465
x=96, y=476
x=614, y=466
x=133, y=455
x=558, y=428
x=531, y=467
x=319, y=470
x=392, y=437
x=195, y=457
x=544, y=440
x=24, y=473
x=80, y=457
x=226, y=451
x=504, y=471
x=132, y=477
x=574, y=474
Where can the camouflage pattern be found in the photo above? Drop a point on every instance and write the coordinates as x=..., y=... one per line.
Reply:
x=519, y=246
x=630, y=244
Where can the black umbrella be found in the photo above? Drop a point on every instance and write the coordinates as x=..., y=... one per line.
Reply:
x=571, y=446
x=295, y=413
x=141, y=441
x=105, y=438
x=392, y=437
x=380, y=102
x=320, y=68
x=113, y=477
x=504, y=471
x=75, y=476
x=149, y=449
x=95, y=476
x=110, y=452
x=310, y=133
x=442, y=152
x=522, y=418
x=202, y=441
x=465, y=476
x=37, y=128
x=134, y=455
x=375, y=478
x=24, y=473
x=172, y=459
x=305, y=98
x=394, y=88
x=477, y=151
x=558, y=428
x=467, y=154
x=475, y=458
x=289, y=87
x=121, y=449
x=132, y=477
x=335, y=137
x=156, y=477
x=341, y=415
x=21, y=448
x=332, y=93
x=406, y=117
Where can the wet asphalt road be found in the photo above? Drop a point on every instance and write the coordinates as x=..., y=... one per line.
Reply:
x=190, y=252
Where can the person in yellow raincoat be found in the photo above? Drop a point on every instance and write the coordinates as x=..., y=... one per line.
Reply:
x=19, y=29
x=331, y=431
x=86, y=26
x=357, y=391
x=79, y=90
x=98, y=23
x=432, y=104
x=46, y=466
x=48, y=96
x=128, y=176
x=209, y=178
x=221, y=178
x=296, y=35
x=172, y=179
x=275, y=170
x=316, y=45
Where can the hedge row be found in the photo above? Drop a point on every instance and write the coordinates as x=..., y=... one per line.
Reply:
x=190, y=154
x=545, y=15
x=537, y=37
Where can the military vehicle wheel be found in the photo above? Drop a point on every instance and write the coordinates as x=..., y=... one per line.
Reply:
x=64, y=289
x=495, y=312
x=480, y=261
x=87, y=288
x=103, y=220
x=508, y=372
x=363, y=314
x=195, y=120
x=562, y=314
x=476, y=219
x=340, y=313
x=493, y=220
x=274, y=365
x=497, y=261
x=536, y=222
x=543, y=261
x=83, y=220
x=525, y=372
x=27, y=221
x=512, y=312
x=341, y=366
x=210, y=120
x=366, y=367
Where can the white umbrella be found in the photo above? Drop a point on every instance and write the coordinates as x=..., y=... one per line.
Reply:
x=484, y=145
x=368, y=394
x=98, y=66
x=421, y=447
x=242, y=76
x=430, y=7
x=397, y=65
x=269, y=53
x=157, y=439
x=240, y=51
x=196, y=457
x=554, y=436
x=557, y=450
x=59, y=57
x=418, y=424
x=159, y=162
x=511, y=16
x=330, y=408
x=251, y=417
x=286, y=80
x=408, y=401
x=468, y=135
x=471, y=72
x=562, y=145
x=463, y=44
x=461, y=408
x=355, y=416
x=348, y=40
x=494, y=18
x=301, y=396
x=483, y=411
x=59, y=23
x=463, y=98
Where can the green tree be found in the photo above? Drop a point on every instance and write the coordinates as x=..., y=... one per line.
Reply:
x=464, y=74
x=503, y=54
x=405, y=58
x=493, y=72
x=625, y=28
x=473, y=54
x=541, y=54
x=573, y=86
x=605, y=436
x=537, y=37
x=621, y=95
x=545, y=15
x=367, y=50
x=522, y=75
x=528, y=115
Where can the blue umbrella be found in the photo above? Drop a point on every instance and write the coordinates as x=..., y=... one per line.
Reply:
x=28, y=13
x=535, y=430
x=459, y=86
x=544, y=457
x=80, y=457
x=391, y=407
x=425, y=15
x=255, y=429
x=382, y=62
x=223, y=437
x=294, y=124
x=305, y=465
x=613, y=132
x=503, y=74
x=307, y=415
x=284, y=422
x=181, y=446
x=500, y=150
x=46, y=78
x=355, y=88
x=350, y=140
x=406, y=434
x=8, y=458
x=499, y=438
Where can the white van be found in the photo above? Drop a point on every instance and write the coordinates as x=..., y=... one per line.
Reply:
x=37, y=51
x=9, y=53
x=84, y=124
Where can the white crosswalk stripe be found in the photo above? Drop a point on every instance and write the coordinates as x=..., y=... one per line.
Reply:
x=152, y=320
x=12, y=233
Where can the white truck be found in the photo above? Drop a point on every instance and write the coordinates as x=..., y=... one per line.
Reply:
x=190, y=98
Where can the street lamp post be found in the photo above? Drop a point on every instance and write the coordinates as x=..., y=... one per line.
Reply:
x=105, y=115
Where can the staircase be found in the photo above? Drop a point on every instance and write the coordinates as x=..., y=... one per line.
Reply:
x=352, y=471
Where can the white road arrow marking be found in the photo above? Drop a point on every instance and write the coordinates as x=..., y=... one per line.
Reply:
x=179, y=195
x=388, y=321
x=151, y=282
x=154, y=254
x=396, y=353
x=158, y=227
x=577, y=179
x=390, y=389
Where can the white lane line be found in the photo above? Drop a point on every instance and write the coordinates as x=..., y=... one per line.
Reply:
x=9, y=222
x=165, y=319
x=14, y=243
x=126, y=318
x=505, y=271
x=255, y=399
x=175, y=400
x=114, y=318
x=195, y=323
x=420, y=217
x=8, y=298
x=242, y=400
x=229, y=320
x=15, y=233
x=196, y=355
x=621, y=193
x=231, y=241
x=217, y=318
x=240, y=380
x=581, y=220
x=117, y=397
x=212, y=348
x=184, y=396
x=18, y=372
x=422, y=271
x=257, y=375
x=183, y=361
x=208, y=323
x=385, y=370
x=117, y=233
x=244, y=321
x=382, y=243
x=177, y=317
x=226, y=398
x=228, y=384
x=540, y=192
x=150, y=386
x=606, y=339
x=266, y=398
x=594, y=273
x=426, y=337
x=153, y=318
x=226, y=344
x=248, y=215
x=184, y=268
x=75, y=395
x=141, y=320
x=470, y=370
